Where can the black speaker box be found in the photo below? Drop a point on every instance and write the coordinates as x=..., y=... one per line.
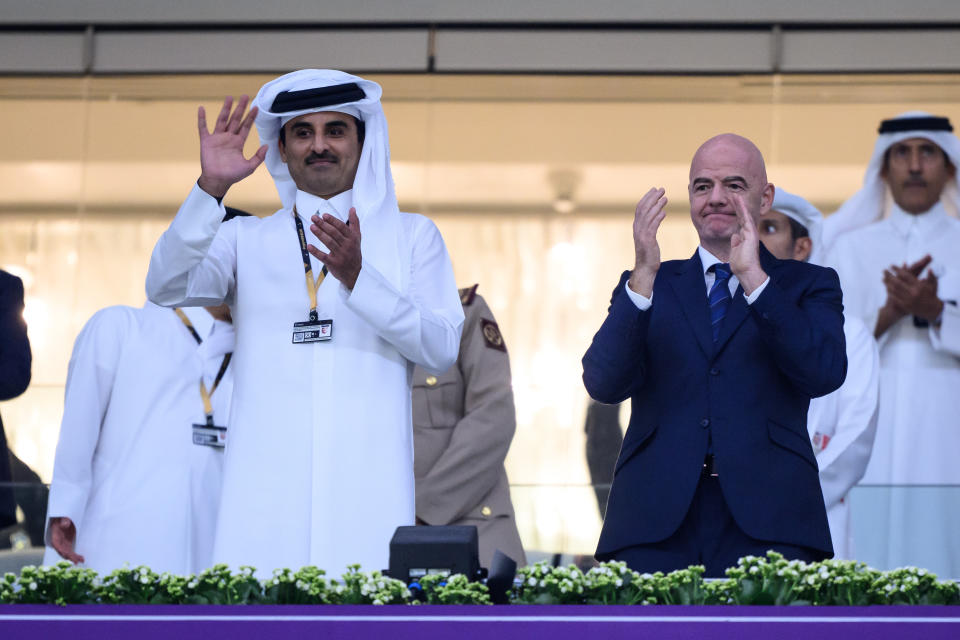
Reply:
x=419, y=551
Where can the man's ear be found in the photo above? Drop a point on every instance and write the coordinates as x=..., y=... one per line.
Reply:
x=802, y=248
x=766, y=198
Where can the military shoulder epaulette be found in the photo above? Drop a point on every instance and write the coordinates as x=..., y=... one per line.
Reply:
x=467, y=295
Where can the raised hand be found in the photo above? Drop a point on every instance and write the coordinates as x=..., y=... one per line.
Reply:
x=745, y=248
x=343, y=240
x=221, y=152
x=63, y=537
x=649, y=214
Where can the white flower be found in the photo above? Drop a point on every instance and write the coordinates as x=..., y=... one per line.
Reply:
x=381, y=585
x=544, y=569
x=192, y=584
x=619, y=582
x=754, y=569
x=378, y=601
x=145, y=579
x=33, y=586
x=532, y=582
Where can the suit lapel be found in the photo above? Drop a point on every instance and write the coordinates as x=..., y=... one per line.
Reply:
x=688, y=286
x=739, y=309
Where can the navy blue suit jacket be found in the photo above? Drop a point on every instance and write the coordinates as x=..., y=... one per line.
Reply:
x=751, y=391
x=14, y=374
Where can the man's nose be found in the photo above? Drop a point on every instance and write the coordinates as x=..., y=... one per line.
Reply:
x=718, y=196
x=319, y=144
x=916, y=165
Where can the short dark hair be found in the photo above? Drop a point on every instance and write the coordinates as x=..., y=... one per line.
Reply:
x=361, y=131
x=797, y=230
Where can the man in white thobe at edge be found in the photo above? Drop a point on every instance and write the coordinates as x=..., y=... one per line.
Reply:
x=319, y=469
x=842, y=424
x=129, y=483
x=901, y=275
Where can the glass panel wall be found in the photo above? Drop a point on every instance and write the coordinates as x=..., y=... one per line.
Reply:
x=531, y=179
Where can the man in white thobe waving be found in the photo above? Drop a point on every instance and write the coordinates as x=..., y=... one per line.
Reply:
x=319, y=470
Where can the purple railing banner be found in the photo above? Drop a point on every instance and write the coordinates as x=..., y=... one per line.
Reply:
x=557, y=622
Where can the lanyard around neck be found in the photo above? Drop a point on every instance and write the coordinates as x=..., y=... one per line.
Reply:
x=308, y=269
x=204, y=394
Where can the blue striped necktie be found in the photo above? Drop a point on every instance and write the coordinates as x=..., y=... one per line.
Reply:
x=719, y=296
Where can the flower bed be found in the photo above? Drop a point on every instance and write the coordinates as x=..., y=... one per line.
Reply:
x=771, y=580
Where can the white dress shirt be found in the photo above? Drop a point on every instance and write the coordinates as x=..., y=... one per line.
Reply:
x=707, y=259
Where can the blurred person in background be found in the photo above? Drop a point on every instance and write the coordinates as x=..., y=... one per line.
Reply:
x=463, y=422
x=15, y=360
x=842, y=424
x=137, y=472
x=901, y=277
x=139, y=460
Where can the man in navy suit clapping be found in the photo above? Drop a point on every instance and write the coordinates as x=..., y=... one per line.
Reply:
x=720, y=355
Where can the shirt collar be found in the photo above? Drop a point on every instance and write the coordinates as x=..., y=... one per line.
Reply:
x=924, y=222
x=337, y=206
x=707, y=259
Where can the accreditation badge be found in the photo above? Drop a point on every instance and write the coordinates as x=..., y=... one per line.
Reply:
x=312, y=331
x=210, y=435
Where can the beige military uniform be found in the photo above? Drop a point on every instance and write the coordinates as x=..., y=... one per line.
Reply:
x=463, y=422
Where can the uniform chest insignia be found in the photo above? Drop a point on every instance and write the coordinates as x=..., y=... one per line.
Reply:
x=467, y=295
x=491, y=335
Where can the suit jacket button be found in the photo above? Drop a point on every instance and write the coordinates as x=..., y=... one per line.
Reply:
x=714, y=371
x=485, y=512
x=431, y=380
x=705, y=423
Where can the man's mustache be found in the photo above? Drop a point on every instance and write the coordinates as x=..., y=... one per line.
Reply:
x=326, y=156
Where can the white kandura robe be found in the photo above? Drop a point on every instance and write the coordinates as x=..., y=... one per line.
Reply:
x=842, y=426
x=319, y=468
x=126, y=469
x=918, y=432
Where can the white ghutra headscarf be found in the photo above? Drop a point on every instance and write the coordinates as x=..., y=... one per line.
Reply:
x=374, y=196
x=805, y=214
x=869, y=204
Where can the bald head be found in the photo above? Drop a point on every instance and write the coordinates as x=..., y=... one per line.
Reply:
x=724, y=167
x=736, y=148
